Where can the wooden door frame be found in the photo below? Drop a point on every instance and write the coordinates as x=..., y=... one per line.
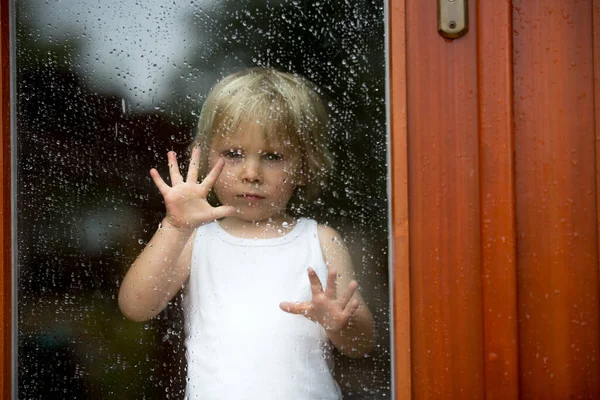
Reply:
x=399, y=206
x=399, y=265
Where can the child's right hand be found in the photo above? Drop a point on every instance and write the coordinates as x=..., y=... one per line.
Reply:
x=187, y=207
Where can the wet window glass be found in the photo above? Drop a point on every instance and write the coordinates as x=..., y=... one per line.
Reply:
x=103, y=91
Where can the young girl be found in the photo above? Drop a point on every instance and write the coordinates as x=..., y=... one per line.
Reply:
x=266, y=294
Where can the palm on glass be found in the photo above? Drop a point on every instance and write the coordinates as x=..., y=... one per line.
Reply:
x=185, y=200
x=330, y=312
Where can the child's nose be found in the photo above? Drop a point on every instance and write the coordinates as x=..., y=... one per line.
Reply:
x=251, y=171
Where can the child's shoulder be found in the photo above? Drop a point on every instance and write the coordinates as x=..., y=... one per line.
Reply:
x=326, y=232
x=335, y=252
x=329, y=236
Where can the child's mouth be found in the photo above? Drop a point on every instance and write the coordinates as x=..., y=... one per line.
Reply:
x=252, y=197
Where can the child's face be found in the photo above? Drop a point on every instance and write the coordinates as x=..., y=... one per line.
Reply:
x=260, y=174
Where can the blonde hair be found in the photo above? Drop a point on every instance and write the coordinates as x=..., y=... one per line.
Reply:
x=287, y=105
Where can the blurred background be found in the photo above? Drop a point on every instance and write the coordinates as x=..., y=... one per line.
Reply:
x=103, y=91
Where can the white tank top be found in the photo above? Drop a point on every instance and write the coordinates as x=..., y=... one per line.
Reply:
x=240, y=344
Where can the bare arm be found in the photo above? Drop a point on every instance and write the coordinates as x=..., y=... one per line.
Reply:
x=357, y=337
x=346, y=318
x=157, y=274
x=163, y=266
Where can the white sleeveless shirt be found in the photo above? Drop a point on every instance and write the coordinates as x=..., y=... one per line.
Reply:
x=240, y=344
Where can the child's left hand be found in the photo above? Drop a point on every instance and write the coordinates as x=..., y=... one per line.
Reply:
x=330, y=312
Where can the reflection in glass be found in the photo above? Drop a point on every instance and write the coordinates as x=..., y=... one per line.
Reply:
x=103, y=91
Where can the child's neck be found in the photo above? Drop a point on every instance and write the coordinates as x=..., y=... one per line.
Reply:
x=271, y=228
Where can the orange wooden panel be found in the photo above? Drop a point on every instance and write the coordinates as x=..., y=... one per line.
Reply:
x=444, y=213
x=498, y=234
x=596, y=49
x=401, y=271
x=556, y=199
x=5, y=208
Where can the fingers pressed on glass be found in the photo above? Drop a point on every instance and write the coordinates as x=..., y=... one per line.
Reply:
x=351, y=309
x=192, y=174
x=330, y=290
x=352, y=286
x=213, y=175
x=315, y=282
x=223, y=211
x=174, y=173
x=294, y=308
x=159, y=182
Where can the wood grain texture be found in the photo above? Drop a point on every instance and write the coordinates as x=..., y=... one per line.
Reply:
x=444, y=212
x=556, y=199
x=399, y=159
x=498, y=232
x=5, y=207
x=596, y=50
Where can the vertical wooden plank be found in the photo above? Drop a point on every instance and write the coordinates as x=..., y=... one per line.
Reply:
x=5, y=207
x=498, y=231
x=399, y=159
x=444, y=213
x=596, y=49
x=556, y=199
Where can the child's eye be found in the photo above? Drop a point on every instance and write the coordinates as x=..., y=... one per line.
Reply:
x=232, y=154
x=273, y=157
